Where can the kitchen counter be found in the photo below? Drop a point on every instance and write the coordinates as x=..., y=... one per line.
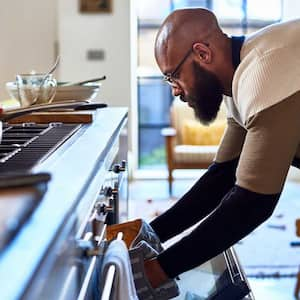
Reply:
x=45, y=259
x=76, y=169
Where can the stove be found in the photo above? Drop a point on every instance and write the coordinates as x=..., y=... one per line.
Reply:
x=25, y=145
x=53, y=248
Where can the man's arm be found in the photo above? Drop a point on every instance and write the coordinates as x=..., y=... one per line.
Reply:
x=270, y=145
x=208, y=191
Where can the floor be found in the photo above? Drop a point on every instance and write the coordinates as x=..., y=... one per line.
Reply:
x=149, y=198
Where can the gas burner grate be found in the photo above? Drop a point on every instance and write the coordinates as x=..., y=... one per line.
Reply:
x=23, y=146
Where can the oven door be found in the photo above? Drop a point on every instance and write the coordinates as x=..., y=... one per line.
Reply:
x=221, y=278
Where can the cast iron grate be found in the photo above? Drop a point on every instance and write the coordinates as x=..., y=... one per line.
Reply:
x=23, y=146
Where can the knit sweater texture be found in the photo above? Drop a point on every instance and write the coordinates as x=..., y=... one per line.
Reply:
x=261, y=80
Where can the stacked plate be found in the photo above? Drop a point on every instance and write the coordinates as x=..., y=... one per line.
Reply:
x=76, y=92
x=85, y=92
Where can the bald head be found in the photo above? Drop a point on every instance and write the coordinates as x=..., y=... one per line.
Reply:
x=193, y=36
x=181, y=29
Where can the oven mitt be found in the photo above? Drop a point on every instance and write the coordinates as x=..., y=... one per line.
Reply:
x=143, y=251
x=134, y=232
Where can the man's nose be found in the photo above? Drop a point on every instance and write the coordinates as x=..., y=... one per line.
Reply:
x=176, y=91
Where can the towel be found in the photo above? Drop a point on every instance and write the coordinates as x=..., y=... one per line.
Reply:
x=123, y=285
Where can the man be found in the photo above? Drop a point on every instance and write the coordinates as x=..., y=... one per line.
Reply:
x=241, y=188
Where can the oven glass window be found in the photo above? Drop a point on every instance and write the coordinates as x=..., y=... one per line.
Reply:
x=212, y=280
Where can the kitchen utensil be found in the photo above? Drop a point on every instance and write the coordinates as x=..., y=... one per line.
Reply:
x=83, y=82
x=63, y=92
x=90, y=106
x=76, y=93
x=52, y=69
x=40, y=96
x=83, y=114
x=61, y=116
x=35, y=88
x=6, y=116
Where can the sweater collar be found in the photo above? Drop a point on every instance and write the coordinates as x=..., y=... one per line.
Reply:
x=236, y=45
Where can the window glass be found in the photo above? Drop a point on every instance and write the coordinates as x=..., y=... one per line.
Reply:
x=190, y=3
x=153, y=10
x=152, y=148
x=265, y=10
x=228, y=10
x=146, y=60
x=153, y=108
x=154, y=102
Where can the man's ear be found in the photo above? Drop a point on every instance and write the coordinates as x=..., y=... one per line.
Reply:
x=203, y=53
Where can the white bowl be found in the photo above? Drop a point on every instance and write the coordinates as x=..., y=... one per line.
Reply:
x=63, y=93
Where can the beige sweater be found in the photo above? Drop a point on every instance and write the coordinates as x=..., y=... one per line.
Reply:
x=269, y=70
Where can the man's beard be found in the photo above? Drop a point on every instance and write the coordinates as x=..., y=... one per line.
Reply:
x=206, y=96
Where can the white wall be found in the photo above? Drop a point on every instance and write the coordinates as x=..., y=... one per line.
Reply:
x=27, y=38
x=30, y=29
x=114, y=33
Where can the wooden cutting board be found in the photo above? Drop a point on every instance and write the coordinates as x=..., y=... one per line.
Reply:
x=84, y=116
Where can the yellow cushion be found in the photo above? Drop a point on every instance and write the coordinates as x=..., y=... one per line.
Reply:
x=194, y=133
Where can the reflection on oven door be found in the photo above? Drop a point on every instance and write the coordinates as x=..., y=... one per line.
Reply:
x=218, y=279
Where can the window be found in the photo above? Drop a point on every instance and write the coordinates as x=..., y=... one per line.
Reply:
x=236, y=17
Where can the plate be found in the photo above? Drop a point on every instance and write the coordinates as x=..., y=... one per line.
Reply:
x=63, y=93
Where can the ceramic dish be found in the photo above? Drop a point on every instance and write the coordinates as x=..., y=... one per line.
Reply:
x=63, y=93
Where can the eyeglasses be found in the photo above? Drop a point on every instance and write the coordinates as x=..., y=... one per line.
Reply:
x=169, y=77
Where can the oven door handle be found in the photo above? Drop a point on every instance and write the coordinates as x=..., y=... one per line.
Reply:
x=71, y=278
x=108, y=280
x=110, y=277
x=89, y=273
x=87, y=279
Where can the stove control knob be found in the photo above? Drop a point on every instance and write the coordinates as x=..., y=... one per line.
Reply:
x=117, y=168
x=106, y=191
x=105, y=209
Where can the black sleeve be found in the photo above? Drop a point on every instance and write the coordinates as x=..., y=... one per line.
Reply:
x=198, y=202
x=240, y=212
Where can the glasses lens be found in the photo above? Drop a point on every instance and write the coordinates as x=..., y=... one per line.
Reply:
x=168, y=79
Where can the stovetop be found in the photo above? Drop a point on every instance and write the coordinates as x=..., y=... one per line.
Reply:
x=25, y=145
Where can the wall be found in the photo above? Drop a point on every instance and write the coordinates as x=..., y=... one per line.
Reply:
x=113, y=33
x=28, y=32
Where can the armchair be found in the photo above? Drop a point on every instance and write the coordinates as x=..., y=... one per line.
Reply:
x=190, y=145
